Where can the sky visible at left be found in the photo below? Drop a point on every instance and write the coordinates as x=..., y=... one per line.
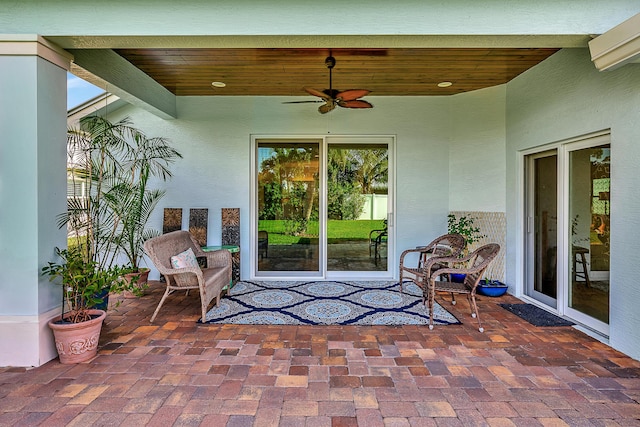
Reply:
x=79, y=91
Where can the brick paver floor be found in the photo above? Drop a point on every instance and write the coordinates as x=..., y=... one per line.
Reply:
x=176, y=372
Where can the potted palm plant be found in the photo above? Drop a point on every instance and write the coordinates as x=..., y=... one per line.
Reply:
x=77, y=329
x=111, y=164
x=108, y=167
x=133, y=201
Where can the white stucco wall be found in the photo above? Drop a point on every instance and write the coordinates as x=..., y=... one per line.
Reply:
x=565, y=97
x=295, y=17
x=214, y=136
x=32, y=88
x=32, y=193
x=476, y=152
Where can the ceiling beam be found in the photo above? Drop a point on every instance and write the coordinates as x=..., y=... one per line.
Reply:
x=108, y=70
x=322, y=41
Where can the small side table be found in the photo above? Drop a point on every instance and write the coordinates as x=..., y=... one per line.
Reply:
x=235, y=259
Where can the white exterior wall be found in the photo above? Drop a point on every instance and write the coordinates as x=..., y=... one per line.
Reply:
x=565, y=97
x=32, y=193
x=477, y=159
x=213, y=134
x=329, y=17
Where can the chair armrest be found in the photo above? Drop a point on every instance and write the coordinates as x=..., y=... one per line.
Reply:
x=185, y=270
x=375, y=231
x=419, y=249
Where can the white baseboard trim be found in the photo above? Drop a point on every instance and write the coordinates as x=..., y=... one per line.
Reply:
x=27, y=340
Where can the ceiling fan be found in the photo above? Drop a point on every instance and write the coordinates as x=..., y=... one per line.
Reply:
x=332, y=97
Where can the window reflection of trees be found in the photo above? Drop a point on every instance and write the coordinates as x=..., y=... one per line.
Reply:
x=600, y=207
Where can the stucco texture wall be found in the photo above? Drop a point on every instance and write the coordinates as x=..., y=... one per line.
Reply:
x=214, y=134
x=565, y=97
x=477, y=151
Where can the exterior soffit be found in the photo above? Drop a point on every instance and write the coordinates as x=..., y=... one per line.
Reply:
x=334, y=41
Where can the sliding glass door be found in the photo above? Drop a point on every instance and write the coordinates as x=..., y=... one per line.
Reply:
x=589, y=207
x=567, y=240
x=322, y=207
x=288, y=199
x=542, y=228
x=357, y=207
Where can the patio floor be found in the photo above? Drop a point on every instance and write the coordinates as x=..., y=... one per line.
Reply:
x=178, y=373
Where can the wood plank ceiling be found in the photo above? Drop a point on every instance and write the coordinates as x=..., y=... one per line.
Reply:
x=284, y=72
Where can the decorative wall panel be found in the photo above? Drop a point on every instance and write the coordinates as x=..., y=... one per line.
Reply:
x=231, y=236
x=231, y=226
x=198, y=223
x=172, y=220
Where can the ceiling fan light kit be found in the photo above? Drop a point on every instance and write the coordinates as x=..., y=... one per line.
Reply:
x=331, y=97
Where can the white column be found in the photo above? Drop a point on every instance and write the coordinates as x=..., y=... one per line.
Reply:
x=33, y=97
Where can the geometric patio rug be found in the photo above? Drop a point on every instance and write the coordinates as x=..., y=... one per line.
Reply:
x=325, y=303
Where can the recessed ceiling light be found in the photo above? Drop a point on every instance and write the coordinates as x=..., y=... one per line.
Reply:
x=444, y=84
x=218, y=84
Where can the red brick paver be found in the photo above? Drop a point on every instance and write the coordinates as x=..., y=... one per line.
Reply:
x=177, y=372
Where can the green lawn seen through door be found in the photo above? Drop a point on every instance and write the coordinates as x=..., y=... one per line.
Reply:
x=337, y=230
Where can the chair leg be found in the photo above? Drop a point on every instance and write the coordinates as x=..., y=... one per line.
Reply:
x=204, y=312
x=164, y=297
x=431, y=298
x=474, y=307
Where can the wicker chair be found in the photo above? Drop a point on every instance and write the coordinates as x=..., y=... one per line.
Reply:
x=210, y=281
x=377, y=238
x=448, y=245
x=472, y=266
x=263, y=244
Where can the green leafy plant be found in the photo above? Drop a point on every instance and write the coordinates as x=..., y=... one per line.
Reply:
x=133, y=201
x=83, y=281
x=464, y=225
x=109, y=168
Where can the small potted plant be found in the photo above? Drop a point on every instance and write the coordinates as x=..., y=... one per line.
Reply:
x=464, y=225
x=77, y=329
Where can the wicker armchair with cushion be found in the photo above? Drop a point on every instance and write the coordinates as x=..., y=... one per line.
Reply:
x=448, y=245
x=472, y=266
x=175, y=256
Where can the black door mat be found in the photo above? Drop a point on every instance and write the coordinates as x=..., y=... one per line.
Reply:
x=535, y=315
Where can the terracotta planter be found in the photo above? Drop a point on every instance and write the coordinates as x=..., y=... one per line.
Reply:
x=77, y=342
x=142, y=281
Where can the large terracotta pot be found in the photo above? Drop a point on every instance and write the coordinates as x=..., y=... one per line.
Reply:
x=77, y=342
x=141, y=283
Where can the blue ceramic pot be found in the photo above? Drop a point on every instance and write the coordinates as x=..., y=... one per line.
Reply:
x=104, y=295
x=492, y=289
x=457, y=278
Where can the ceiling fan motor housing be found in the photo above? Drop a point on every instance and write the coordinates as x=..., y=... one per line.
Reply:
x=330, y=62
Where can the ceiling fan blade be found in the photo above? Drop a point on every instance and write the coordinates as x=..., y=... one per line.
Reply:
x=329, y=106
x=317, y=93
x=352, y=94
x=302, y=102
x=356, y=103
